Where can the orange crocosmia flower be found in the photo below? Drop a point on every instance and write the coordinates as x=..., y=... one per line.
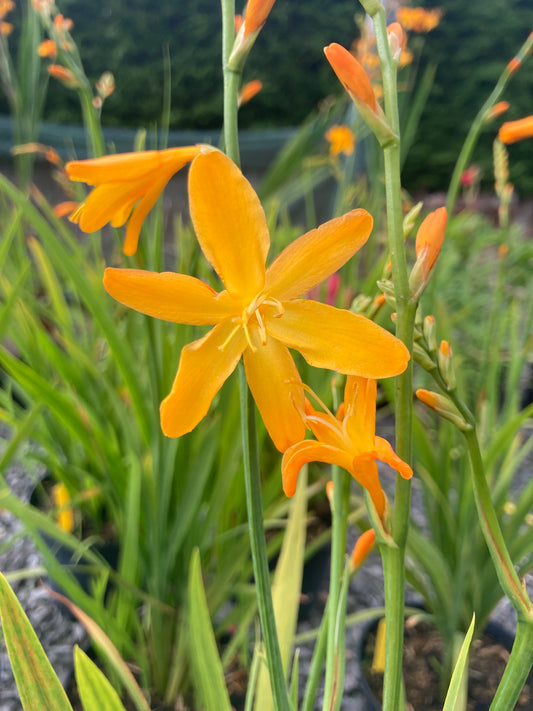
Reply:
x=121, y=181
x=341, y=140
x=348, y=440
x=6, y=28
x=419, y=19
x=5, y=7
x=258, y=315
x=249, y=90
x=255, y=15
x=47, y=48
x=514, y=131
x=430, y=237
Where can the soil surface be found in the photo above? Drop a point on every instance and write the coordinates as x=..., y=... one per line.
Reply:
x=423, y=653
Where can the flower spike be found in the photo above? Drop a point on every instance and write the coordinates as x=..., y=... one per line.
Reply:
x=258, y=315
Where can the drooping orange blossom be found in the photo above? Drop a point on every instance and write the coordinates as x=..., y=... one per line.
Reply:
x=121, y=181
x=513, y=131
x=257, y=315
x=347, y=440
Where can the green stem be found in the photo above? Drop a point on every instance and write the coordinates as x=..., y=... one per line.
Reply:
x=517, y=669
x=477, y=126
x=252, y=480
x=231, y=83
x=335, y=643
x=252, y=474
x=394, y=557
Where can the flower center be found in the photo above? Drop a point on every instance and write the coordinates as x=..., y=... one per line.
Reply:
x=251, y=315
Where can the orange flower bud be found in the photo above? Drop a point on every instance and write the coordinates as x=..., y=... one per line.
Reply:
x=62, y=24
x=249, y=90
x=444, y=407
x=503, y=250
x=62, y=74
x=513, y=65
x=418, y=19
x=239, y=19
x=351, y=75
x=497, y=110
x=6, y=28
x=47, y=48
x=362, y=548
x=397, y=39
x=65, y=209
x=514, y=131
x=256, y=14
x=430, y=235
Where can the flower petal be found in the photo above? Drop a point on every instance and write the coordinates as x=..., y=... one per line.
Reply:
x=129, y=167
x=360, y=411
x=112, y=202
x=365, y=471
x=314, y=256
x=204, y=366
x=229, y=222
x=139, y=214
x=385, y=453
x=309, y=451
x=277, y=389
x=172, y=297
x=338, y=340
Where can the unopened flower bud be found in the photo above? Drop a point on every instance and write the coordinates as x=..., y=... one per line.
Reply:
x=429, y=329
x=423, y=358
x=410, y=219
x=444, y=407
x=396, y=37
x=445, y=359
x=363, y=546
x=497, y=110
x=360, y=303
x=429, y=241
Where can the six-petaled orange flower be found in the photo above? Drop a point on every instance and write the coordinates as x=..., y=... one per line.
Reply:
x=341, y=140
x=514, y=131
x=348, y=440
x=122, y=181
x=258, y=315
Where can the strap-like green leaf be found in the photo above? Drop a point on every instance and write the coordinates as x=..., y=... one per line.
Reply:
x=37, y=683
x=456, y=683
x=96, y=693
x=206, y=664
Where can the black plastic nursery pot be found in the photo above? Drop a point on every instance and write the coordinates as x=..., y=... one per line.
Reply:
x=423, y=653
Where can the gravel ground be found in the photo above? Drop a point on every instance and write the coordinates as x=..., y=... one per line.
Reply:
x=58, y=633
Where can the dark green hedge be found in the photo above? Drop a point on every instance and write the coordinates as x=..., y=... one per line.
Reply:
x=471, y=46
x=130, y=39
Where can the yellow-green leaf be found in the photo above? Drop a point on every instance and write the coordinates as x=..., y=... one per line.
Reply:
x=37, y=683
x=206, y=664
x=96, y=693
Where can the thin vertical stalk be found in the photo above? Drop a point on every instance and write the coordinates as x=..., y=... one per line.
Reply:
x=252, y=480
x=394, y=557
x=335, y=643
x=252, y=475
